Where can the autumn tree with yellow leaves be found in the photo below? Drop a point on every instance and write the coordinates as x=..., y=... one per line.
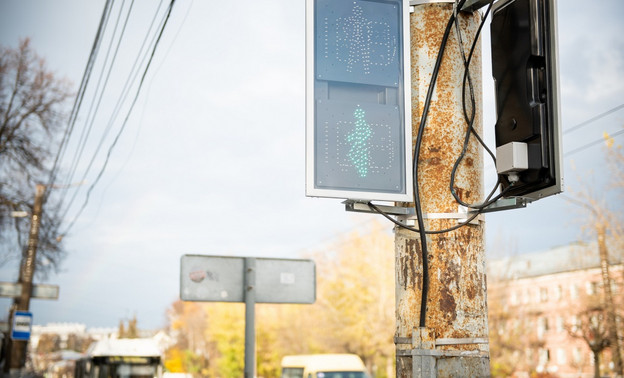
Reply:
x=354, y=313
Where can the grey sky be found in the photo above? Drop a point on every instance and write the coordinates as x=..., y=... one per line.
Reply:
x=212, y=160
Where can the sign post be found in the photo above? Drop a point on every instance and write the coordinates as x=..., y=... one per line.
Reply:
x=250, y=280
x=250, y=317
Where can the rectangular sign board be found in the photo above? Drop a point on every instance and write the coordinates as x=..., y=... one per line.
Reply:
x=22, y=324
x=285, y=281
x=13, y=290
x=212, y=278
x=222, y=279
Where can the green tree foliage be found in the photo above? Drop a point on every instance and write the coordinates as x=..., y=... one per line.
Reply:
x=356, y=297
x=226, y=329
x=354, y=313
x=190, y=354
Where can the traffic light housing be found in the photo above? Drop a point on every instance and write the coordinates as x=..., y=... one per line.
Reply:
x=525, y=70
x=358, y=129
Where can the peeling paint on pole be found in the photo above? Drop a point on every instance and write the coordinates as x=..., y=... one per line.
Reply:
x=457, y=304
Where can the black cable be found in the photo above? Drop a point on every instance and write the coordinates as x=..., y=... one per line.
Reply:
x=80, y=95
x=443, y=231
x=593, y=119
x=469, y=118
x=121, y=98
x=93, y=108
x=417, y=204
x=590, y=144
x=125, y=122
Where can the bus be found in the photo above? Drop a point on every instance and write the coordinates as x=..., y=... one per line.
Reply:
x=323, y=366
x=121, y=358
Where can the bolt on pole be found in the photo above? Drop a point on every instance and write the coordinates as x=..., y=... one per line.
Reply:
x=456, y=308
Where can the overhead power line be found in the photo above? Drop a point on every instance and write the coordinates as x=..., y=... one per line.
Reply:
x=138, y=91
x=590, y=144
x=81, y=91
x=593, y=119
x=97, y=99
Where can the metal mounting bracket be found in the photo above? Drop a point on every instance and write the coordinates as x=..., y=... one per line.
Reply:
x=425, y=352
x=408, y=214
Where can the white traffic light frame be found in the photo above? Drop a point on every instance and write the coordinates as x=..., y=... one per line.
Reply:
x=341, y=108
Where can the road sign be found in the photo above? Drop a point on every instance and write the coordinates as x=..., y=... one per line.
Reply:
x=14, y=290
x=250, y=280
x=222, y=279
x=358, y=117
x=22, y=324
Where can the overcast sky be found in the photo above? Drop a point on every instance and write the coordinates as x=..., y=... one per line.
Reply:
x=212, y=157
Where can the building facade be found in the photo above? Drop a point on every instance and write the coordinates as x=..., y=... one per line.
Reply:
x=546, y=309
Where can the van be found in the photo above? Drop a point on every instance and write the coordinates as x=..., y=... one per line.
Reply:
x=323, y=366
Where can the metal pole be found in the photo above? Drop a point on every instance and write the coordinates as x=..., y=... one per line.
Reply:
x=250, y=317
x=17, y=348
x=456, y=309
x=611, y=316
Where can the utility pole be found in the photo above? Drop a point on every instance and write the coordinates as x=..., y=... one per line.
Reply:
x=17, y=348
x=454, y=340
x=611, y=318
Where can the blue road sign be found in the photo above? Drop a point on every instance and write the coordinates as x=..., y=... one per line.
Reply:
x=22, y=324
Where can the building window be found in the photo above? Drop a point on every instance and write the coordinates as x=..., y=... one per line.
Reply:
x=577, y=355
x=543, y=293
x=574, y=291
x=526, y=296
x=561, y=356
x=544, y=356
x=542, y=327
x=614, y=287
x=558, y=292
x=560, y=324
x=575, y=323
x=514, y=298
x=591, y=287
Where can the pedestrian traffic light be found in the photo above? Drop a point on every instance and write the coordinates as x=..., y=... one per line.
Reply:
x=524, y=66
x=358, y=129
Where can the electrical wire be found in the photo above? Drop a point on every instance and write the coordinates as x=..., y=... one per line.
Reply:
x=418, y=144
x=593, y=119
x=97, y=100
x=469, y=118
x=134, y=71
x=593, y=143
x=140, y=123
x=94, y=107
x=80, y=95
x=138, y=91
x=470, y=130
x=443, y=231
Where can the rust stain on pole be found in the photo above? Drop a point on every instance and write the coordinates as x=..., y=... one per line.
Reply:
x=457, y=304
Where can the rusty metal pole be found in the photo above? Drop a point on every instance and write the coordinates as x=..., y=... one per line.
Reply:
x=17, y=348
x=611, y=316
x=454, y=340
